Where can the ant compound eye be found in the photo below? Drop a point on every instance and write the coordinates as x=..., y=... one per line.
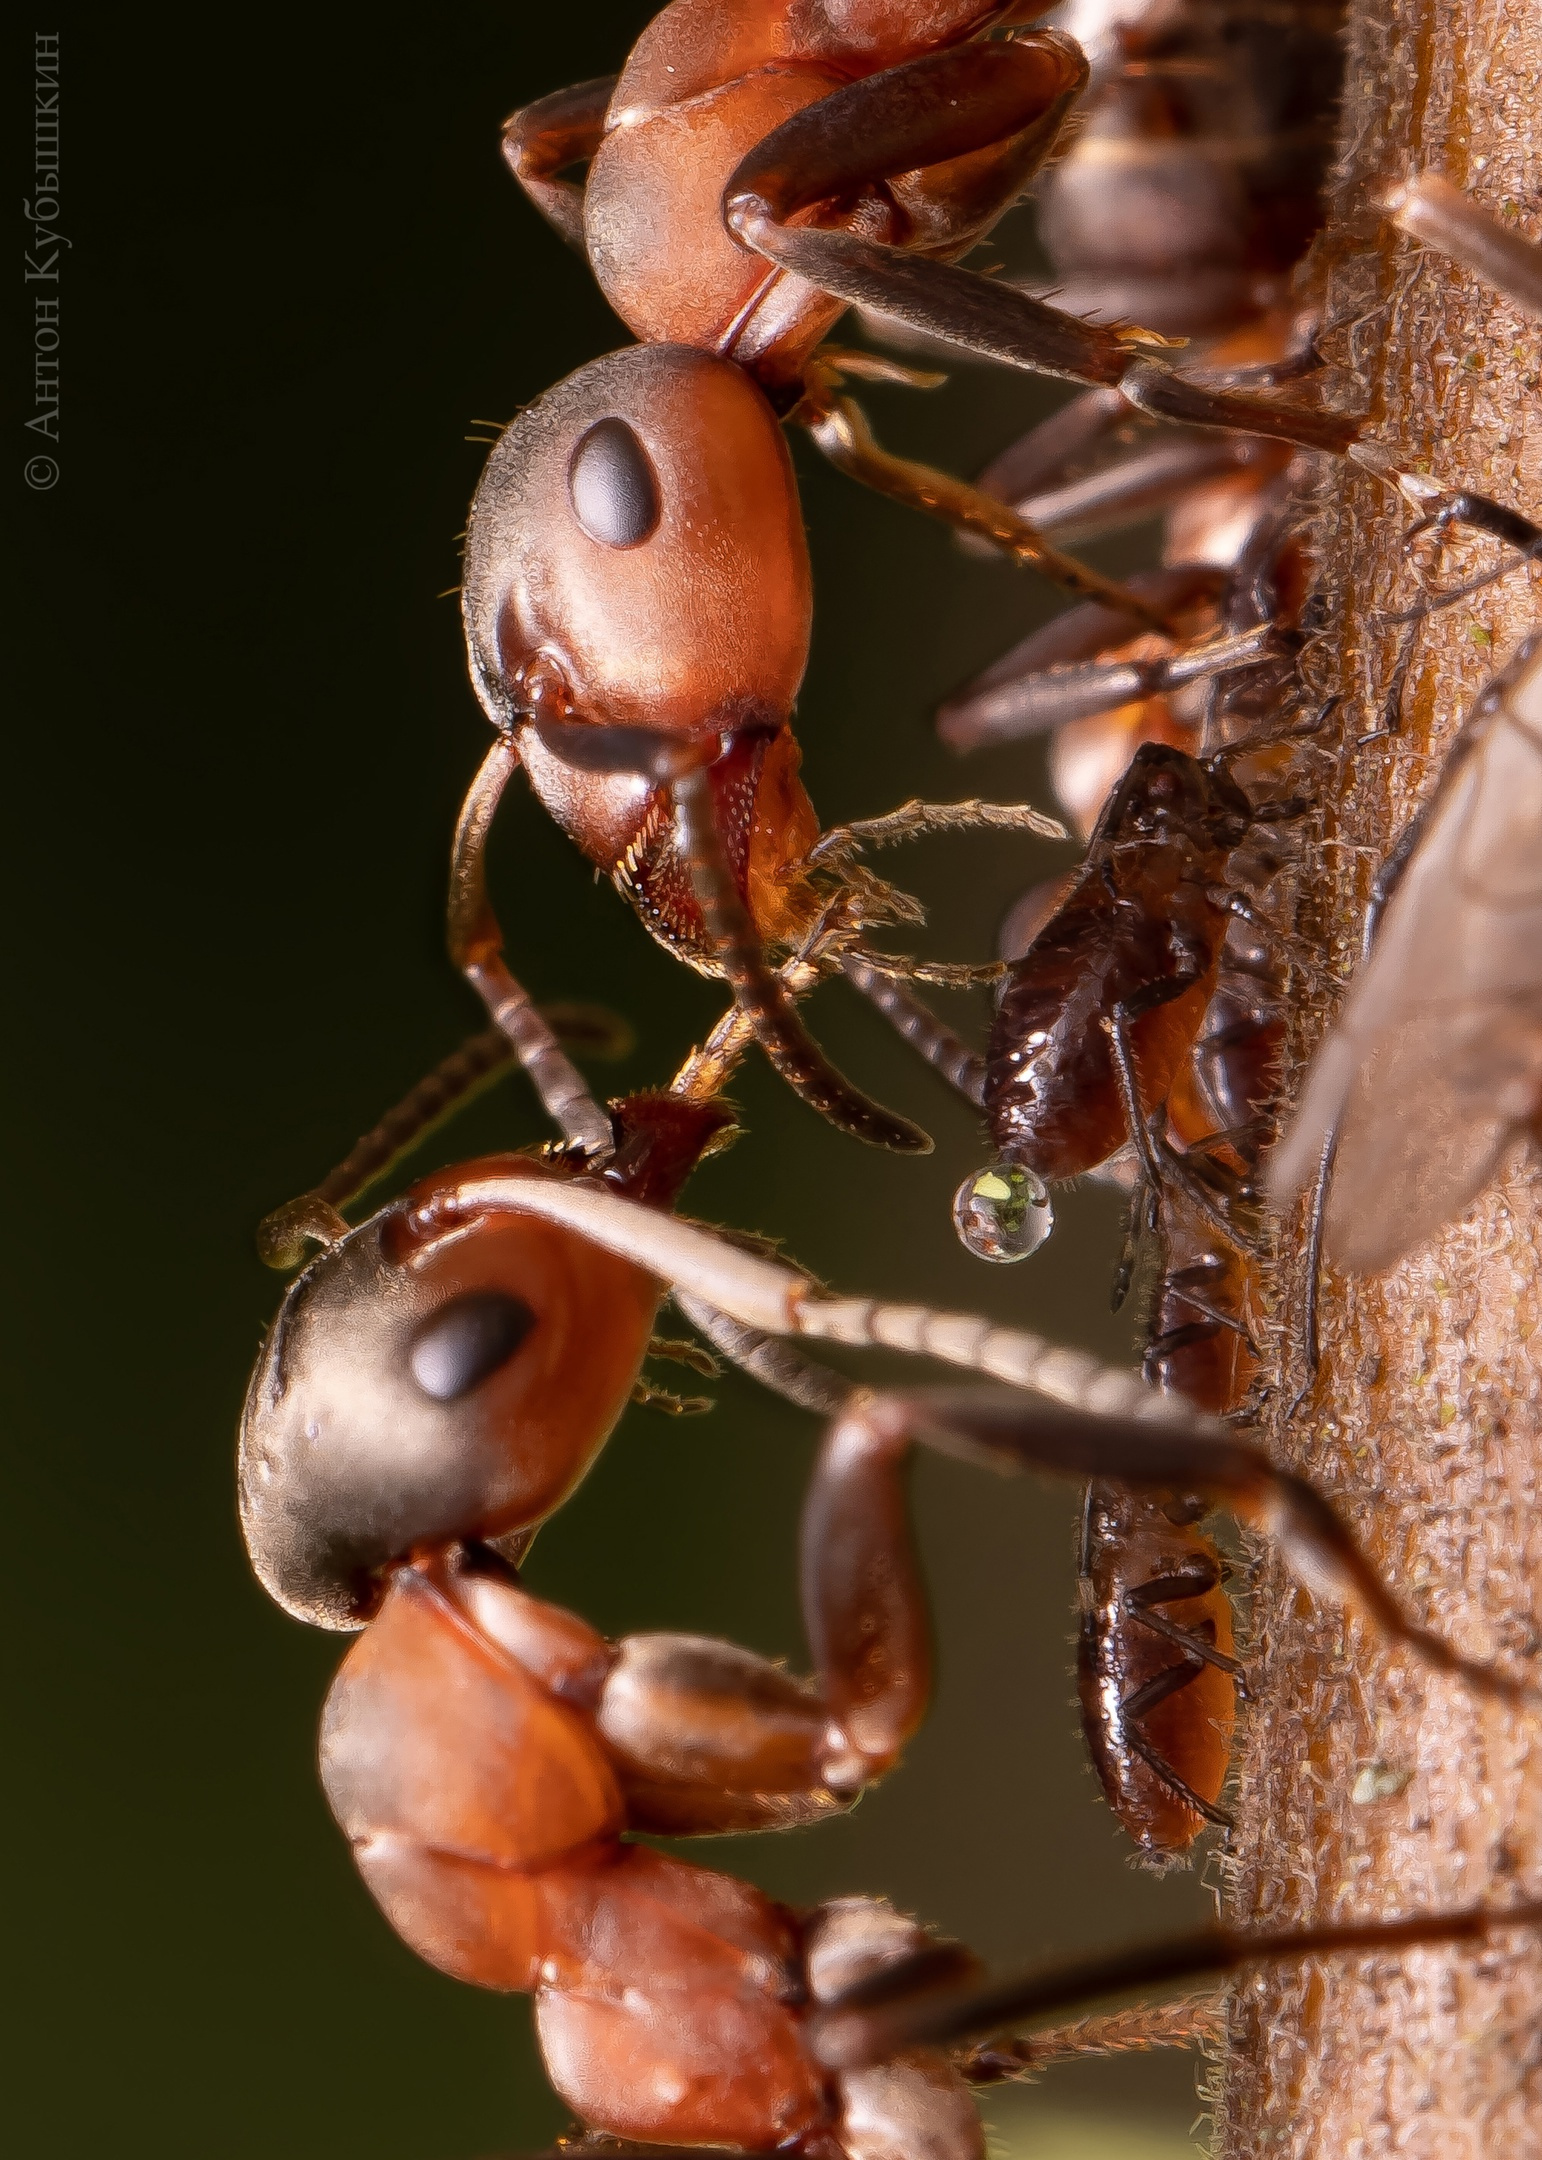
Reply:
x=1003, y=1213
x=611, y=486
x=467, y=1341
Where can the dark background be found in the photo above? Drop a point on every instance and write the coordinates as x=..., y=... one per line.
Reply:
x=299, y=277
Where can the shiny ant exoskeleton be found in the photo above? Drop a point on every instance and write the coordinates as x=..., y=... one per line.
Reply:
x=437, y=1382
x=636, y=591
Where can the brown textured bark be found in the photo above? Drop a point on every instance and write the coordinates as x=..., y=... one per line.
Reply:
x=1367, y=1787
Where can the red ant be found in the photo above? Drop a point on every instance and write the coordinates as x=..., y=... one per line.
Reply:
x=437, y=1382
x=636, y=592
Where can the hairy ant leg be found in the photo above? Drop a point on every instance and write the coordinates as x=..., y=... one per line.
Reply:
x=944, y=106
x=875, y=2022
x=545, y=139
x=1431, y=210
x=842, y=431
x=1010, y=708
x=476, y=947
x=1179, y=2024
x=775, y=1364
x=915, y=1022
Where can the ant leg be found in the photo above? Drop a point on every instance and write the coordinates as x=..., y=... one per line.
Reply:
x=776, y=1365
x=1041, y=460
x=543, y=139
x=840, y=428
x=1432, y=210
x=1014, y=1433
x=874, y=2021
x=915, y=1022
x=1033, y=703
x=1145, y=482
x=917, y=820
x=1118, y=2032
x=947, y=105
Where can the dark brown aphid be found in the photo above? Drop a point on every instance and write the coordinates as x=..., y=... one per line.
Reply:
x=1435, y=1064
x=1155, y=1668
x=1101, y=1015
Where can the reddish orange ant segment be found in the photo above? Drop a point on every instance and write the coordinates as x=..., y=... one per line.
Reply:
x=701, y=88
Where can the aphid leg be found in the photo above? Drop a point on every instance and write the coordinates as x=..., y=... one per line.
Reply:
x=546, y=138
x=1159, y=1689
x=1014, y=1432
x=874, y=2021
x=1197, y=1581
x=476, y=947
x=1163, y=1165
x=915, y=1022
x=1046, y=698
x=1140, y=1221
x=1432, y=210
x=841, y=429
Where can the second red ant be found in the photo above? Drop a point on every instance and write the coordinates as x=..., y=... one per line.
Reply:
x=436, y=1383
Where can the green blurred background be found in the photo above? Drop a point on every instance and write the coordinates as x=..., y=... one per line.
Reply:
x=299, y=278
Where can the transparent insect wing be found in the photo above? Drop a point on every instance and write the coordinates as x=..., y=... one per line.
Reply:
x=1437, y=1059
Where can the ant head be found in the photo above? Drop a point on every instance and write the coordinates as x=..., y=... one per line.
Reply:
x=1164, y=790
x=431, y=1376
x=636, y=557
x=1003, y=1213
